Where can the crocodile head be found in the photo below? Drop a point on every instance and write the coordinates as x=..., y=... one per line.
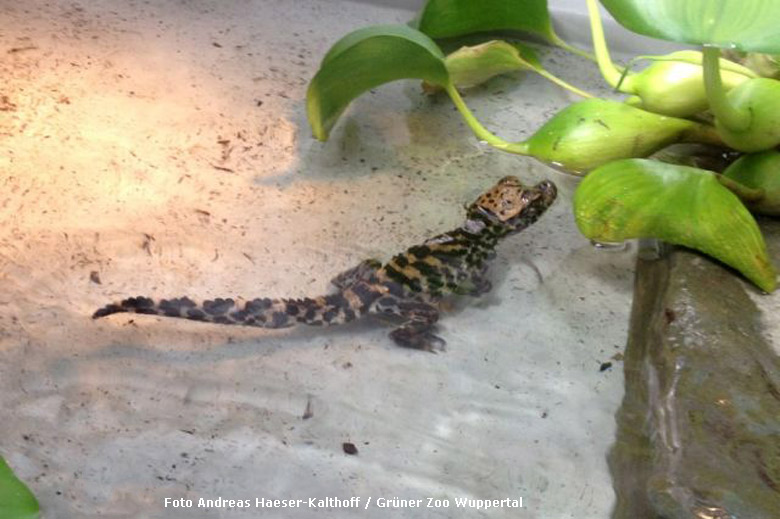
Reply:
x=510, y=206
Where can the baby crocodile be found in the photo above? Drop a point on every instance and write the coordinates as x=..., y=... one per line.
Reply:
x=409, y=286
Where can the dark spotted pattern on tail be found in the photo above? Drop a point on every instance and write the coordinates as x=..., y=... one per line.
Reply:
x=409, y=286
x=261, y=312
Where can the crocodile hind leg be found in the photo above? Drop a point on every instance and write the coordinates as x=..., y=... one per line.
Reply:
x=420, y=321
x=361, y=272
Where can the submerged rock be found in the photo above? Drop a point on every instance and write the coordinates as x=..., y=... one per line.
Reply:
x=699, y=427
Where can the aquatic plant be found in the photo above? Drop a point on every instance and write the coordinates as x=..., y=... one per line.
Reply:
x=16, y=500
x=621, y=197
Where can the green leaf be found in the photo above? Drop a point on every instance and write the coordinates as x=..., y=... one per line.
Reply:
x=765, y=65
x=637, y=198
x=759, y=171
x=448, y=18
x=748, y=25
x=365, y=59
x=470, y=66
x=590, y=133
x=16, y=500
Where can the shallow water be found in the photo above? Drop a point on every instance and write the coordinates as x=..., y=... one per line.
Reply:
x=162, y=149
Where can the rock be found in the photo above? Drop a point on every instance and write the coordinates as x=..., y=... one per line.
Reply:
x=699, y=427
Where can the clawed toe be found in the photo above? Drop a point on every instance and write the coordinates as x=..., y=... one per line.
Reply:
x=425, y=341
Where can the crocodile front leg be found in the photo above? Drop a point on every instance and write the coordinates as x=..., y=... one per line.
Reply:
x=476, y=286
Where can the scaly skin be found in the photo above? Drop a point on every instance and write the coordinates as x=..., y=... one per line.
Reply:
x=409, y=286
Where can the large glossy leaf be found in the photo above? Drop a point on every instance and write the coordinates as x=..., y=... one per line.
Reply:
x=365, y=59
x=687, y=206
x=748, y=25
x=447, y=18
x=16, y=500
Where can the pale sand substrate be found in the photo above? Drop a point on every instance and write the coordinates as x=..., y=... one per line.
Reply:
x=162, y=148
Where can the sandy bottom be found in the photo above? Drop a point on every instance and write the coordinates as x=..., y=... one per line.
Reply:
x=161, y=148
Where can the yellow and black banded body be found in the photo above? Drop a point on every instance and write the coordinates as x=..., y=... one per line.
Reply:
x=409, y=286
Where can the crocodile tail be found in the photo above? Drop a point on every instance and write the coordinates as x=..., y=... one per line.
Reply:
x=262, y=312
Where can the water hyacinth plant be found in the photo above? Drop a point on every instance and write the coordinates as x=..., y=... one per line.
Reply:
x=16, y=500
x=687, y=96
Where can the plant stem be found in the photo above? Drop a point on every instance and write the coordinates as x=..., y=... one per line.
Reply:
x=744, y=193
x=480, y=131
x=561, y=83
x=574, y=50
x=727, y=114
x=725, y=64
x=608, y=69
x=703, y=134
